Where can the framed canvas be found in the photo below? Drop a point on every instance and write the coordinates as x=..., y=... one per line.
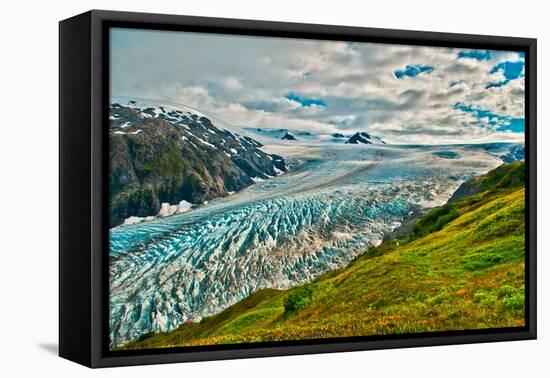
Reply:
x=235, y=188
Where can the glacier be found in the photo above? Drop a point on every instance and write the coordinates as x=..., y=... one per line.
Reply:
x=335, y=202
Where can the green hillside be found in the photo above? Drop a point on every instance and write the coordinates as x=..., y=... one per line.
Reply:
x=462, y=267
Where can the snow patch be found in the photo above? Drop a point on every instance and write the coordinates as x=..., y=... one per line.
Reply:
x=118, y=132
x=205, y=142
x=136, y=220
x=166, y=209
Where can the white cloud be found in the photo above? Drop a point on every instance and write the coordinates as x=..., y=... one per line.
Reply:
x=244, y=81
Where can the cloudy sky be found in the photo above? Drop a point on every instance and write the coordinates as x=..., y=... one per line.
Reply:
x=404, y=94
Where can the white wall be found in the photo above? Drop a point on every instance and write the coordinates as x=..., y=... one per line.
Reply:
x=28, y=186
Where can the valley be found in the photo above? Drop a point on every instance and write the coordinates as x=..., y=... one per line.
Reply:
x=304, y=209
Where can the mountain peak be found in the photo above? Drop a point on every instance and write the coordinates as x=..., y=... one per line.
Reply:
x=288, y=136
x=362, y=137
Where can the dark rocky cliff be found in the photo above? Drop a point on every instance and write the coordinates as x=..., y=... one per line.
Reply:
x=164, y=153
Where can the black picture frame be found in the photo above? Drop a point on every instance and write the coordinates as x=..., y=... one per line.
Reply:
x=83, y=166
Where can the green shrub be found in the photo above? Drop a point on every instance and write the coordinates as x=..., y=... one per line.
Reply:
x=435, y=220
x=506, y=291
x=516, y=302
x=458, y=285
x=439, y=298
x=298, y=299
x=481, y=260
x=484, y=298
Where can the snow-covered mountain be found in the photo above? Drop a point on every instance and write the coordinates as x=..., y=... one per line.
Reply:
x=269, y=136
x=267, y=133
x=364, y=138
x=166, y=153
x=288, y=136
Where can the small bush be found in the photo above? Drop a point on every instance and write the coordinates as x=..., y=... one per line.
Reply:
x=482, y=260
x=458, y=285
x=516, y=302
x=484, y=298
x=435, y=220
x=506, y=291
x=439, y=298
x=205, y=319
x=298, y=299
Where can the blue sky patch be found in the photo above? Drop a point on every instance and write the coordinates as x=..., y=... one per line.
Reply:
x=412, y=71
x=516, y=125
x=475, y=54
x=510, y=70
x=501, y=122
x=304, y=101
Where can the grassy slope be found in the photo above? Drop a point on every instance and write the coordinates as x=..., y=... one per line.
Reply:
x=461, y=268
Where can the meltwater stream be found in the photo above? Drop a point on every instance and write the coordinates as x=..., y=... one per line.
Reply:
x=336, y=201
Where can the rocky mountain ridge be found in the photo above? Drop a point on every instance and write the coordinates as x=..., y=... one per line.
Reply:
x=362, y=137
x=164, y=153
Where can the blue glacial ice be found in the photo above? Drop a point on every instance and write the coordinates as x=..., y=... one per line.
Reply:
x=334, y=204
